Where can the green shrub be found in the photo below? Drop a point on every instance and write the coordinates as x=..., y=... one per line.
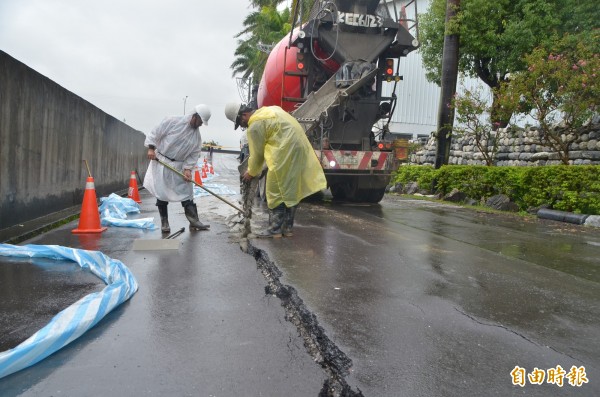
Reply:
x=423, y=175
x=566, y=188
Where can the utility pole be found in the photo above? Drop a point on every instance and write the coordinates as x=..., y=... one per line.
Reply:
x=184, y=100
x=449, y=79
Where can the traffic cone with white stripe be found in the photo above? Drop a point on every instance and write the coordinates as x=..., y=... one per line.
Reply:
x=89, y=219
x=212, y=170
x=197, y=178
x=204, y=176
x=133, y=192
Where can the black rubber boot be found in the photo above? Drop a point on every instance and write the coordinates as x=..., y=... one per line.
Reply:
x=288, y=222
x=276, y=220
x=191, y=213
x=164, y=218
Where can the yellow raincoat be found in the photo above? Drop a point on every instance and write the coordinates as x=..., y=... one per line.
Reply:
x=275, y=137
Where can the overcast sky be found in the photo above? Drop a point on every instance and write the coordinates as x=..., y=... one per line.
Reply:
x=135, y=59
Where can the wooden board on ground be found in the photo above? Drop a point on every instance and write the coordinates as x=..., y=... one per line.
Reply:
x=156, y=245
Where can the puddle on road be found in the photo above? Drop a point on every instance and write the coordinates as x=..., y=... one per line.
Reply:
x=34, y=291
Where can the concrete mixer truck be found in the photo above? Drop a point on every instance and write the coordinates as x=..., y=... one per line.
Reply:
x=330, y=74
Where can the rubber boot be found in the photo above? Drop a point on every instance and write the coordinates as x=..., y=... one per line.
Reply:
x=288, y=222
x=191, y=213
x=276, y=218
x=164, y=219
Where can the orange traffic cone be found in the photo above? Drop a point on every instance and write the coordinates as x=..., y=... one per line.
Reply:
x=197, y=178
x=212, y=170
x=89, y=219
x=204, y=176
x=133, y=193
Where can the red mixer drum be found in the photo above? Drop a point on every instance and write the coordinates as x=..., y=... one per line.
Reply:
x=274, y=86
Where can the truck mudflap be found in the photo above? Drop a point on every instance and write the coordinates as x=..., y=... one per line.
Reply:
x=356, y=160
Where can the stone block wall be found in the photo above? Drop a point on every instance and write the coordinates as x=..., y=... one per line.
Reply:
x=516, y=147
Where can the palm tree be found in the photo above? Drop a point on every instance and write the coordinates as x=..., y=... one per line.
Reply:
x=261, y=28
x=305, y=7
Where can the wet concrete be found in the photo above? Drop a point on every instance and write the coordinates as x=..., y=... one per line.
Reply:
x=406, y=298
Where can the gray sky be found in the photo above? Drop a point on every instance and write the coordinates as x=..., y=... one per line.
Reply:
x=135, y=59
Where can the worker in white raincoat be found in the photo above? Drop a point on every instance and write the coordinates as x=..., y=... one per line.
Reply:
x=275, y=137
x=176, y=141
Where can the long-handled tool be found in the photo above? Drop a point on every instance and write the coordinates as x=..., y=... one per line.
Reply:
x=177, y=233
x=200, y=186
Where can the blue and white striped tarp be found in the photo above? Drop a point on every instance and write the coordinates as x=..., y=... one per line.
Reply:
x=216, y=188
x=82, y=315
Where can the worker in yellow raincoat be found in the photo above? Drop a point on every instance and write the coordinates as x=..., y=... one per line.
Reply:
x=275, y=137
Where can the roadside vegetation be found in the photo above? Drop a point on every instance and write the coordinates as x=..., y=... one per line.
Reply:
x=574, y=189
x=541, y=60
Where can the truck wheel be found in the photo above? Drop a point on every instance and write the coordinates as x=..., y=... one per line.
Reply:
x=338, y=192
x=347, y=190
x=372, y=195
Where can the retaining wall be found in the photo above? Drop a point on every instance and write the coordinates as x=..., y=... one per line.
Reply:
x=517, y=147
x=46, y=132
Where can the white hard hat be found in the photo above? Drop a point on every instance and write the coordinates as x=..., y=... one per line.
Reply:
x=232, y=111
x=204, y=113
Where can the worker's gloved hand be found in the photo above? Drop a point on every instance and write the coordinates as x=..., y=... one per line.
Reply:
x=151, y=154
x=187, y=174
x=247, y=177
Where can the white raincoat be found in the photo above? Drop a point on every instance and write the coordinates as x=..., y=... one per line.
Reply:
x=275, y=137
x=179, y=145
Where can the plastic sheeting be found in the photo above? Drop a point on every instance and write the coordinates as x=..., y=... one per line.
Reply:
x=118, y=205
x=114, y=209
x=275, y=137
x=82, y=315
x=216, y=188
x=179, y=145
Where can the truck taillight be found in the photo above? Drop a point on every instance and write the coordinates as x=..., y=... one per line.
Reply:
x=389, y=69
x=388, y=72
x=300, y=61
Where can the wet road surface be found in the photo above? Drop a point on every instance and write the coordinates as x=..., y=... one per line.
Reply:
x=199, y=325
x=29, y=299
x=429, y=299
x=406, y=298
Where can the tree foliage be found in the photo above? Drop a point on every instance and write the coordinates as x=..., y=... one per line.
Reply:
x=472, y=114
x=265, y=26
x=496, y=35
x=559, y=87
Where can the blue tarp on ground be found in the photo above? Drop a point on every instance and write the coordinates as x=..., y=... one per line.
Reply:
x=114, y=209
x=216, y=188
x=82, y=315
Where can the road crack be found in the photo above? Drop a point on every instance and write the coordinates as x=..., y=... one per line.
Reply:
x=516, y=333
x=318, y=345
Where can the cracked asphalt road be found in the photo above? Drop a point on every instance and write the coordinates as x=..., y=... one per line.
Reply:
x=430, y=299
x=424, y=299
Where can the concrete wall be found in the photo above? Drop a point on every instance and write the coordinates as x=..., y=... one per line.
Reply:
x=45, y=134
